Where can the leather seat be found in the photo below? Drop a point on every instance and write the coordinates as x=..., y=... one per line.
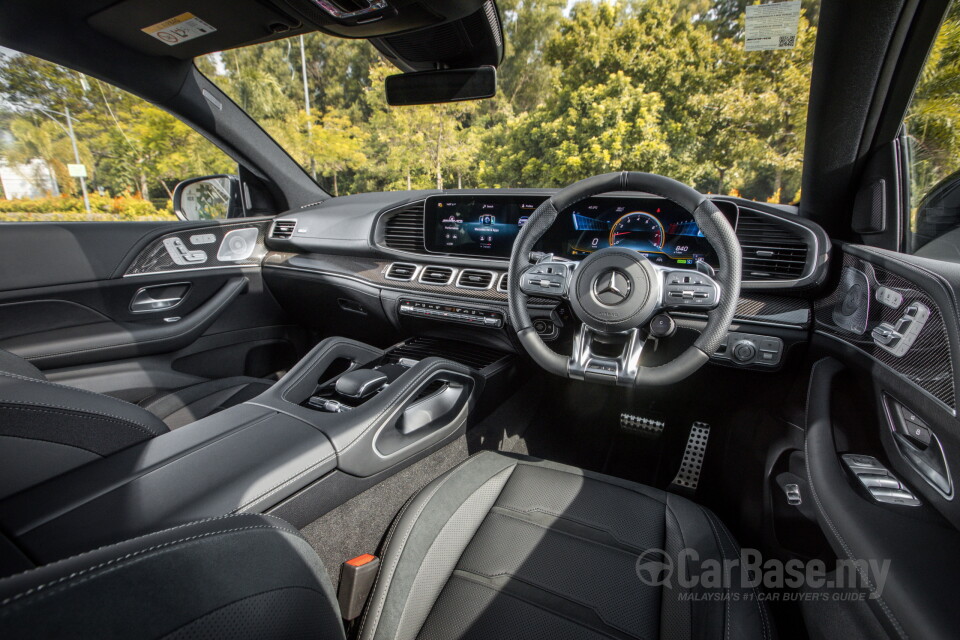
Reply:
x=243, y=576
x=48, y=428
x=506, y=547
x=499, y=547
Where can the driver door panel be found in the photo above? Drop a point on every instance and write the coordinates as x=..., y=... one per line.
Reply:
x=859, y=402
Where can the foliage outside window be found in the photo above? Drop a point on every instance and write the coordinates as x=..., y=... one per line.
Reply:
x=663, y=86
x=932, y=124
x=134, y=153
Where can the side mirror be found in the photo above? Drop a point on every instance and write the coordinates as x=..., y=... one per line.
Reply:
x=209, y=198
x=445, y=85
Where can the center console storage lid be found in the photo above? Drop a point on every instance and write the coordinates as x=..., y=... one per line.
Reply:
x=244, y=459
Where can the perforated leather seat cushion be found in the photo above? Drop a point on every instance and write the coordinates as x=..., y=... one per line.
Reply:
x=507, y=547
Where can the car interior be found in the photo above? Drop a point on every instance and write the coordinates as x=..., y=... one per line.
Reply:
x=473, y=413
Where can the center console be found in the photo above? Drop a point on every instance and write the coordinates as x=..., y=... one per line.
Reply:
x=346, y=417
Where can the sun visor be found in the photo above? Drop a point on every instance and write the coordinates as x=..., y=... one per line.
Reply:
x=189, y=28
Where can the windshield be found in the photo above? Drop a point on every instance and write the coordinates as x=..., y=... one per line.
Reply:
x=663, y=86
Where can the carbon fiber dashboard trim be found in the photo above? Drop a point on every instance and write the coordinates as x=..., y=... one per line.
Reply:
x=770, y=309
x=156, y=258
x=374, y=271
x=774, y=309
x=927, y=364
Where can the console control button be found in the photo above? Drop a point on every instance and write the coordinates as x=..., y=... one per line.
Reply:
x=452, y=313
x=744, y=351
x=748, y=349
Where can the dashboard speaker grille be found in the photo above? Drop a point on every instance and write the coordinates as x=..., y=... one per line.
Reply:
x=475, y=279
x=436, y=275
x=464, y=353
x=283, y=229
x=771, y=249
x=403, y=229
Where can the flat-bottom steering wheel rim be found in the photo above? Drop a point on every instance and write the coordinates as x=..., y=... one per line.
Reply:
x=716, y=229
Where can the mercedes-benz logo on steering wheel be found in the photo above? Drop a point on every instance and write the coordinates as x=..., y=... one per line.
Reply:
x=612, y=287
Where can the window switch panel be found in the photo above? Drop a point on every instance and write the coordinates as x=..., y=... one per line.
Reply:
x=878, y=481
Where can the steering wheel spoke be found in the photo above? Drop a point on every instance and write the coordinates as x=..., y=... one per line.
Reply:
x=595, y=356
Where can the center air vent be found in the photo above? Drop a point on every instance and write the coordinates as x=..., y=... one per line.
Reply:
x=471, y=355
x=402, y=271
x=403, y=229
x=283, y=229
x=437, y=275
x=475, y=279
x=772, y=249
x=502, y=283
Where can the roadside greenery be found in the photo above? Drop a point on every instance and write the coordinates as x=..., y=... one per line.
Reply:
x=653, y=85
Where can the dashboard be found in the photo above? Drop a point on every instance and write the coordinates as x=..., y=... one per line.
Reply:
x=486, y=226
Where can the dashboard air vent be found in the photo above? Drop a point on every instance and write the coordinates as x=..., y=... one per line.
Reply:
x=502, y=283
x=475, y=279
x=468, y=354
x=772, y=250
x=403, y=229
x=437, y=275
x=283, y=229
x=401, y=271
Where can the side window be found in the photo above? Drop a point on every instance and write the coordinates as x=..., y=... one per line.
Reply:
x=932, y=131
x=74, y=148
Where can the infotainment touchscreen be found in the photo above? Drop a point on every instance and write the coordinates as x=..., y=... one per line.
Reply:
x=487, y=225
x=481, y=225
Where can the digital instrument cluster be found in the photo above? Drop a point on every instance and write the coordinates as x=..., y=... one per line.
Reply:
x=487, y=225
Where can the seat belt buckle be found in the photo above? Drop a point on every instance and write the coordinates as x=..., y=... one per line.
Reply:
x=356, y=580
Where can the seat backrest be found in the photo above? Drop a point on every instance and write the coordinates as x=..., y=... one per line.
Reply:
x=242, y=576
x=48, y=428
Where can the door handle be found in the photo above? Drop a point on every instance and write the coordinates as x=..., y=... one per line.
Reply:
x=160, y=297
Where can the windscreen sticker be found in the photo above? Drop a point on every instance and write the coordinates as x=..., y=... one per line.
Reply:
x=772, y=26
x=178, y=30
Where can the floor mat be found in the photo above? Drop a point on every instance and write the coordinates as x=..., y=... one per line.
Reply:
x=358, y=525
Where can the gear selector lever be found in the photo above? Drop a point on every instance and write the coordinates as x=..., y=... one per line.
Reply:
x=360, y=383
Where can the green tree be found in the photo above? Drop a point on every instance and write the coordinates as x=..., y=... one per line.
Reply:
x=933, y=121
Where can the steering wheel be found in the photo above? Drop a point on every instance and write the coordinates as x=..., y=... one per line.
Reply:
x=615, y=291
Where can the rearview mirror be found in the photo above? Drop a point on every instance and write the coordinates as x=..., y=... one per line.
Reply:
x=208, y=198
x=447, y=85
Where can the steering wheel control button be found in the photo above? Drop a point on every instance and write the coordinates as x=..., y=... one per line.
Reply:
x=747, y=349
x=662, y=326
x=690, y=289
x=546, y=278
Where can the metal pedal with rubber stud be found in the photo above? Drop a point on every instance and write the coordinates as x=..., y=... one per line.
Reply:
x=688, y=477
x=639, y=424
